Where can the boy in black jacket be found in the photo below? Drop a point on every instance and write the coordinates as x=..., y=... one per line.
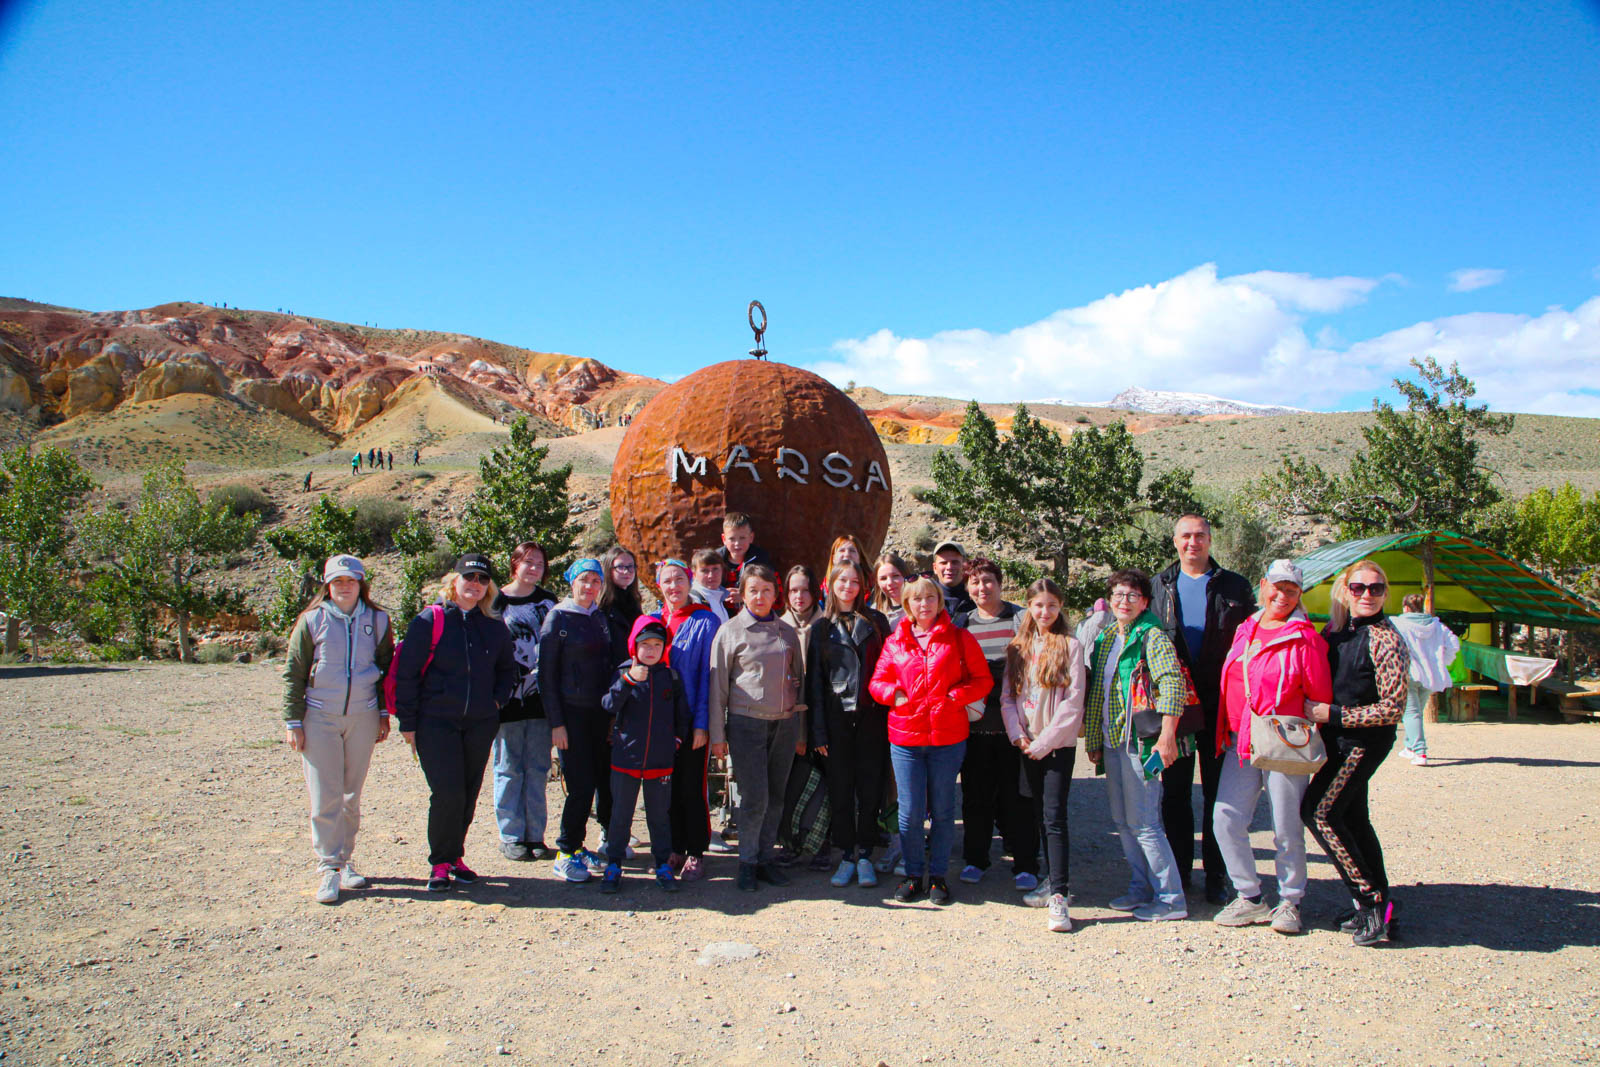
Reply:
x=651, y=718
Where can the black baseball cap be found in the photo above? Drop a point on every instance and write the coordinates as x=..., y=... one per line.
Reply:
x=475, y=563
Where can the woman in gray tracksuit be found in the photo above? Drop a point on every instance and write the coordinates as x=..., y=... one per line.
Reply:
x=339, y=651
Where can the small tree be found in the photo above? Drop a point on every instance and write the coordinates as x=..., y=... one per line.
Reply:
x=1079, y=500
x=517, y=500
x=1419, y=470
x=37, y=494
x=159, y=549
x=330, y=530
x=1558, y=531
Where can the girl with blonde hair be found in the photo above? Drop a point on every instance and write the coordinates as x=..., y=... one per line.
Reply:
x=1041, y=701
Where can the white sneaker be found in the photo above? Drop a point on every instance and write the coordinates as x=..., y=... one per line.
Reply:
x=628, y=852
x=1419, y=759
x=1060, y=922
x=350, y=878
x=719, y=846
x=1406, y=753
x=842, y=876
x=328, y=891
x=866, y=874
x=1040, y=897
x=1242, y=911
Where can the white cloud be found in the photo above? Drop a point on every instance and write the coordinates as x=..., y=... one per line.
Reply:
x=1242, y=337
x=1468, y=279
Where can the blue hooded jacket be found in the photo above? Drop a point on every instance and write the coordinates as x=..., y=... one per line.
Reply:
x=692, y=630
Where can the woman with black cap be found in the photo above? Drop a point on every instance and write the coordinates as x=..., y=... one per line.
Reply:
x=456, y=669
x=576, y=666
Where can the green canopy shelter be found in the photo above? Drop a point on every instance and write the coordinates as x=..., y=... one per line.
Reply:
x=1463, y=582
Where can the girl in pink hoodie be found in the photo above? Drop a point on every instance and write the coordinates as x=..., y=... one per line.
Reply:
x=1278, y=661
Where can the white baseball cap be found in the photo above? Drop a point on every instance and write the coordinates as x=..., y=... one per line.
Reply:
x=343, y=567
x=1286, y=570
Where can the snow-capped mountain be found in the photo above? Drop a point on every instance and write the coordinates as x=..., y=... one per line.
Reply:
x=1165, y=402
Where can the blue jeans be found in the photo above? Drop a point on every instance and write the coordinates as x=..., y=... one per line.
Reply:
x=1136, y=813
x=925, y=776
x=1416, y=701
x=521, y=772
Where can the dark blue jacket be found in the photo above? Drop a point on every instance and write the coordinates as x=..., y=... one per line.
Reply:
x=652, y=719
x=577, y=661
x=473, y=672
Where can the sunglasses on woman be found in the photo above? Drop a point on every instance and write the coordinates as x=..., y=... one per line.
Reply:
x=474, y=578
x=1364, y=588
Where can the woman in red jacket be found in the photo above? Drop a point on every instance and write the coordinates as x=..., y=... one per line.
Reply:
x=1278, y=662
x=927, y=674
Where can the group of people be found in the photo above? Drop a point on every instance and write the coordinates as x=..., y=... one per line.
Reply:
x=895, y=686
x=376, y=459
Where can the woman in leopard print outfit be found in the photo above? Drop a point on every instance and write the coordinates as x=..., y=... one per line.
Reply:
x=1369, y=663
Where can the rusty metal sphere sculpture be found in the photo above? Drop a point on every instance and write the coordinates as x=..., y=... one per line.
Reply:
x=778, y=443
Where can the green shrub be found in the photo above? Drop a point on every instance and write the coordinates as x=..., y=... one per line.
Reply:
x=269, y=642
x=243, y=500
x=113, y=653
x=378, y=518
x=923, y=539
x=215, y=652
x=1081, y=419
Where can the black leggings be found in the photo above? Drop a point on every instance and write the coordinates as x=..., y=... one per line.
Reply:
x=1050, y=780
x=858, y=751
x=453, y=754
x=690, y=815
x=1335, y=808
x=586, y=766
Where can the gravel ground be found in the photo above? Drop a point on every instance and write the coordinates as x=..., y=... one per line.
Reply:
x=157, y=909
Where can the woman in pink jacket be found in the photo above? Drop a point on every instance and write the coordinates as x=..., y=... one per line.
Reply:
x=1278, y=661
x=927, y=674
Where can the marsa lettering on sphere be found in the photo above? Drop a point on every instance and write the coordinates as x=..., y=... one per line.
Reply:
x=835, y=469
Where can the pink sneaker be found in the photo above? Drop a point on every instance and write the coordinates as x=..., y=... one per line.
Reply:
x=462, y=873
x=694, y=868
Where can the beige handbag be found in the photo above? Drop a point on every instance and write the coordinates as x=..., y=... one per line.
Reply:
x=1287, y=744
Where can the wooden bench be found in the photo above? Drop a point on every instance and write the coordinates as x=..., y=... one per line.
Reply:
x=1573, y=701
x=1464, y=701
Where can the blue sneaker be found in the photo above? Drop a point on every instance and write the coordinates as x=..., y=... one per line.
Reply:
x=571, y=866
x=666, y=879
x=972, y=874
x=1026, y=883
x=592, y=860
x=611, y=881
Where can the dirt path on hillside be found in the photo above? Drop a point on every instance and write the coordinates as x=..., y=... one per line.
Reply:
x=157, y=909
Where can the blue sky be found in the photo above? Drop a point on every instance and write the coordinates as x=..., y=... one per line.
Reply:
x=1016, y=201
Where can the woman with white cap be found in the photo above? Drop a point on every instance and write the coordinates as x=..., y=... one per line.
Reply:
x=1277, y=662
x=339, y=650
x=457, y=668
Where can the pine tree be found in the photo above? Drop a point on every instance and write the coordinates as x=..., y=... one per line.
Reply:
x=517, y=500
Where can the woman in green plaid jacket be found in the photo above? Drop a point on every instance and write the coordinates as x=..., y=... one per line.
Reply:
x=1133, y=764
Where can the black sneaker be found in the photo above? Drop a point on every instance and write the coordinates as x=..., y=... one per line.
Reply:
x=439, y=878
x=822, y=861
x=515, y=850
x=539, y=850
x=938, y=891
x=909, y=890
x=1346, y=921
x=747, y=877
x=770, y=874
x=1370, y=928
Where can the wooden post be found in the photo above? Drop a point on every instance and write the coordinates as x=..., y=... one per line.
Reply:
x=1427, y=575
x=1430, y=710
